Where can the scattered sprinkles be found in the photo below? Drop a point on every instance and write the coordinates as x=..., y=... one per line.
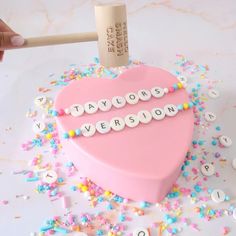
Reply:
x=51, y=176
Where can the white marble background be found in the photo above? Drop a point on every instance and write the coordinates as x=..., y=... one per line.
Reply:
x=204, y=31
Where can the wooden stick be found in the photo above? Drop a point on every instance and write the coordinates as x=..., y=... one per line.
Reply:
x=59, y=39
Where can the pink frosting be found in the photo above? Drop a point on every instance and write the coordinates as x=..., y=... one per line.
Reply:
x=140, y=163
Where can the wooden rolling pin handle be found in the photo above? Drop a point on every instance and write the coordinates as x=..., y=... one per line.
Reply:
x=59, y=39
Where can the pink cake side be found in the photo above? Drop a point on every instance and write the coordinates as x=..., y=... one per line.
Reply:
x=140, y=163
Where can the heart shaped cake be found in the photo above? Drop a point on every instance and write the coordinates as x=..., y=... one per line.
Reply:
x=136, y=144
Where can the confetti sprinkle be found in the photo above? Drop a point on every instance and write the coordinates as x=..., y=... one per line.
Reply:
x=117, y=212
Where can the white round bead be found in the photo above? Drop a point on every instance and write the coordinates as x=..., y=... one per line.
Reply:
x=209, y=116
x=225, y=141
x=88, y=130
x=234, y=163
x=40, y=100
x=144, y=116
x=38, y=126
x=218, y=195
x=170, y=110
x=131, y=98
x=67, y=111
x=90, y=107
x=208, y=169
x=118, y=101
x=212, y=93
x=144, y=95
x=76, y=110
x=103, y=127
x=131, y=120
x=158, y=113
x=104, y=104
x=141, y=232
x=117, y=124
x=182, y=79
x=49, y=176
x=157, y=92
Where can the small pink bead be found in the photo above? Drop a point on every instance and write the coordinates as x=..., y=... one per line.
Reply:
x=171, y=89
x=61, y=112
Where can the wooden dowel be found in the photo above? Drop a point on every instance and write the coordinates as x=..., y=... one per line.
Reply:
x=59, y=39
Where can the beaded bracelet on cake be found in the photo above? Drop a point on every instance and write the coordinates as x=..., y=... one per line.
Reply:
x=131, y=120
x=117, y=101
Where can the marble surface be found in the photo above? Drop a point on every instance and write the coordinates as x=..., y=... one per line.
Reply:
x=204, y=31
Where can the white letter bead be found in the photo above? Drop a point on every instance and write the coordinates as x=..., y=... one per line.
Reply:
x=132, y=98
x=225, y=141
x=144, y=116
x=38, y=126
x=170, y=110
x=144, y=94
x=118, y=101
x=158, y=113
x=212, y=93
x=90, y=107
x=104, y=105
x=40, y=100
x=117, y=123
x=103, y=127
x=49, y=177
x=76, y=110
x=209, y=116
x=218, y=195
x=88, y=130
x=131, y=120
x=234, y=163
x=208, y=169
x=157, y=92
x=67, y=111
x=182, y=79
x=234, y=213
x=141, y=232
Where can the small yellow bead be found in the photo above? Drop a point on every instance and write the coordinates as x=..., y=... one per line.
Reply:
x=180, y=85
x=84, y=188
x=107, y=193
x=49, y=136
x=185, y=106
x=71, y=133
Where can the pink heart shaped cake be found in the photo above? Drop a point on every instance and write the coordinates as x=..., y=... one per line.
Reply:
x=138, y=140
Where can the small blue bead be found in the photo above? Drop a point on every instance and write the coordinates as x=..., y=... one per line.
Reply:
x=66, y=135
x=180, y=107
x=175, y=86
x=190, y=105
x=78, y=132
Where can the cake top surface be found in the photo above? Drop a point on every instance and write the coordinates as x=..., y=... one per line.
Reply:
x=150, y=150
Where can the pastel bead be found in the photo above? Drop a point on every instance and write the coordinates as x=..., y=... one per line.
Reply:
x=190, y=104
x=65, y=135
x=185, y=106
x=180, y=107
x=180, y=85
x=78, y=132
x=175, y=86
x=71, y=133
x=171, y=89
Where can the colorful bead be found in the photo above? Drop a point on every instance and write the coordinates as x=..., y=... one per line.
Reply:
x=65, y=135
x=185, y=106
x=175, y=86
x=71, y=133
x=78, y=132
x=180, y=107
x=171, y=89
x=180, y=85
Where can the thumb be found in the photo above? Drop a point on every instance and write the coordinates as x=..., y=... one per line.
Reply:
x=10, y=40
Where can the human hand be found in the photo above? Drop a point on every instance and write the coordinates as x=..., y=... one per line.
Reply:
x=8, y=38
